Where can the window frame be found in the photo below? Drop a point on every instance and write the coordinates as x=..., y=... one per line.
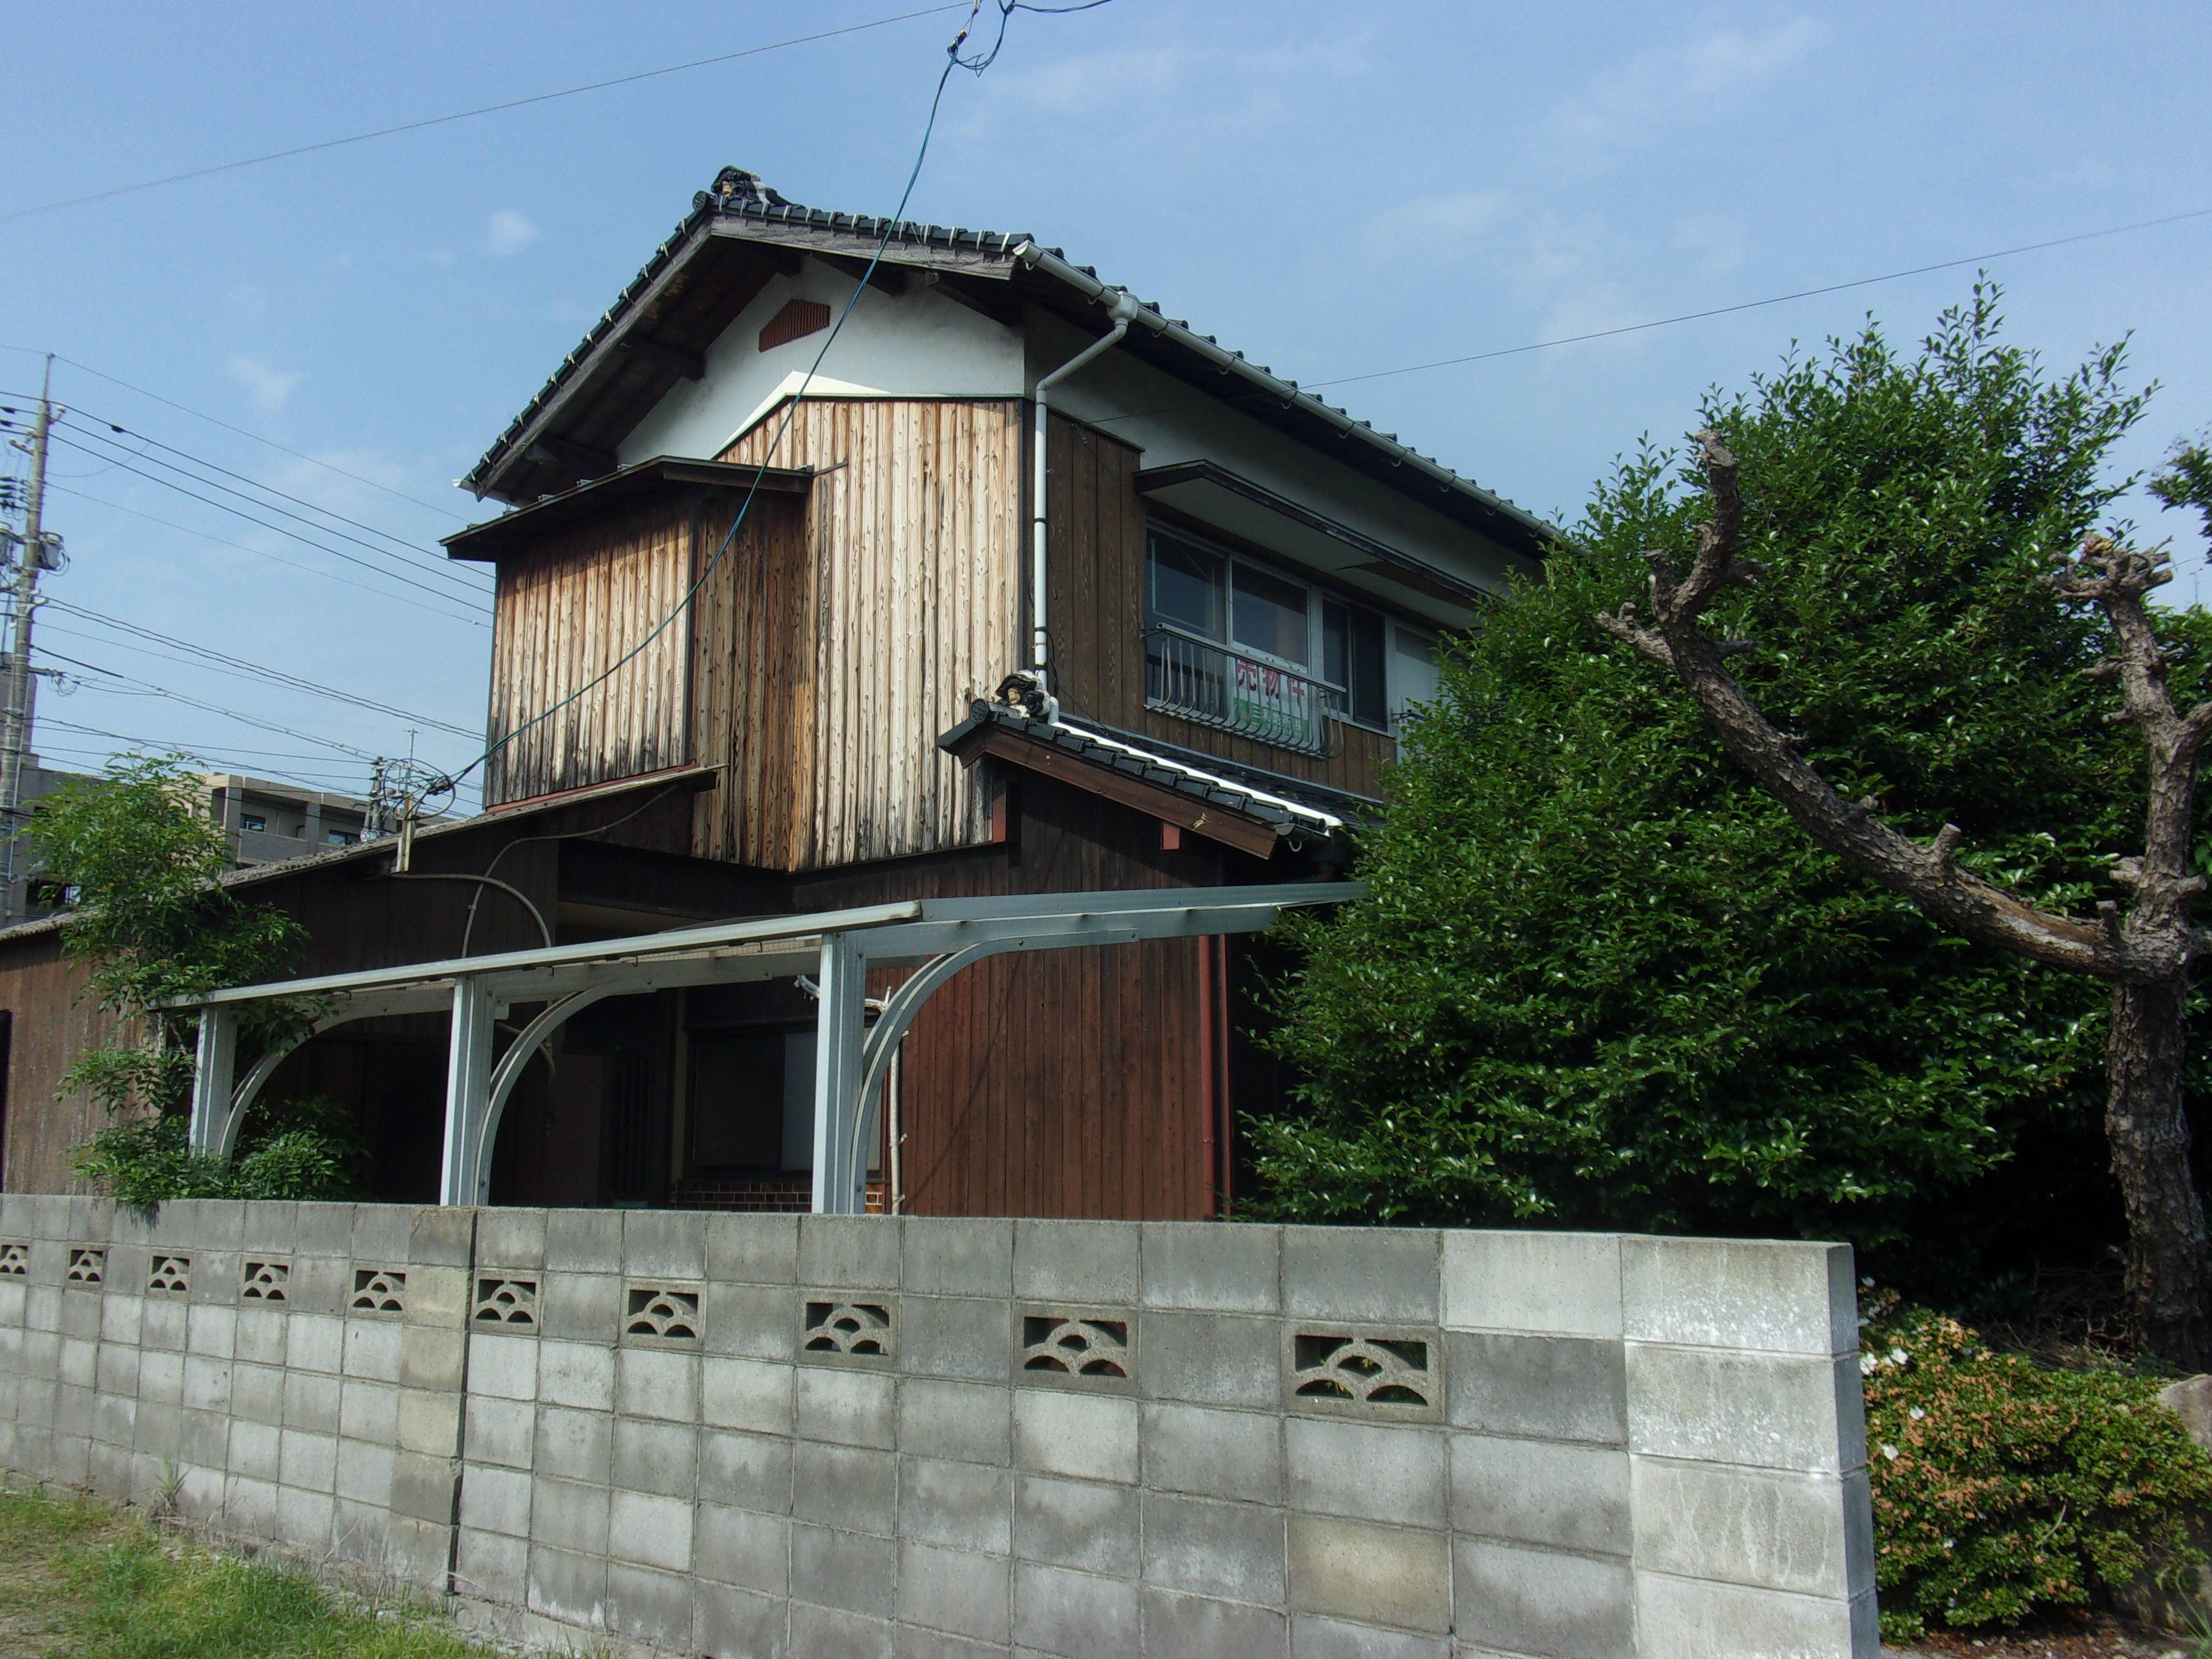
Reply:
x=1319, y=594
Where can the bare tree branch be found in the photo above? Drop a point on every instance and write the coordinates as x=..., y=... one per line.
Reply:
x=1927, y=874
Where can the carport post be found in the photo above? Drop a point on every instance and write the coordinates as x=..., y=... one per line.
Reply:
x=216, y=1059
x=839, y=1186
x=468, y=1087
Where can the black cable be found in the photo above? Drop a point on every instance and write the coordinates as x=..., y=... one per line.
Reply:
x=262, y=553
x=467, y=114
x=240, y=664
x=237, y=512
x=145, y=688
x=71, y=435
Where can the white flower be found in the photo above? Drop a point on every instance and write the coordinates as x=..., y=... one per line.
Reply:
x=1897, y=1356
x=1916, y=1413
x=1890, y=1452
x=1868, y=1364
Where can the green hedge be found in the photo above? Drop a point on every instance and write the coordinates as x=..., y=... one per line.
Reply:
x=2003, y=1489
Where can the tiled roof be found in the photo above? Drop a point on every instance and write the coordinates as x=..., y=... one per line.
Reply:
x=740, y=195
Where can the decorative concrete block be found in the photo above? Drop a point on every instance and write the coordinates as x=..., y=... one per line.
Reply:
x=848, y=1487
x=1760, y=1294
x=954, y=1590
x=1074, y=1614
x=742, y=1548
x=849, y=1252
x=1231, y=1550
x=1078, y=1524
x=1377, y=1472
x=1092, y=1438
x=958, y=1257
x=497, y=1500
x=656, y=1457
x=967, y=1506
x=752, y=1321
x=650, y=1531
x=745, y=1471
x=753, y=1250
x=1219, y=1360
x=854, y=1570
x=574, y=1445
x=849, y=1407
x=567, y=1516
x=1542, y=1601
x=1213, y=1454
x=970, y=1422
x=1784, y=1532
x=580, y=1307
x=1551, y=1388
x=665, y=1245
x=1374, y=1575
x=576, y=1374
x=1768, y=1410
x=1538, y=1283
x=653, y=1383
x=1536, y=1492
x=1092, y=1262
x=957, y=1336
x=1360, y=1275
x=1697, y=1618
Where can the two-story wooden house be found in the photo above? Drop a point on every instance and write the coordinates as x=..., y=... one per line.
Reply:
x=1019, y=587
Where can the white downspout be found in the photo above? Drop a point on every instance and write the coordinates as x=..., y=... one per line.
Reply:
x=1123, y=310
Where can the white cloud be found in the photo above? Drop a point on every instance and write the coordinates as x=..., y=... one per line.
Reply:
x=1623, y=106
x=271, y=389
x=507, y=232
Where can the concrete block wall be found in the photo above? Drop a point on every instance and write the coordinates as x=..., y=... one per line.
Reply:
x=755, y=1435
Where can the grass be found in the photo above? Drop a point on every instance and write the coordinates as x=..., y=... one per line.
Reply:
x=81, y=1581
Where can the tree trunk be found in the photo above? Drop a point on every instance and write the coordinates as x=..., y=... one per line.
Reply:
x=2169, y=1278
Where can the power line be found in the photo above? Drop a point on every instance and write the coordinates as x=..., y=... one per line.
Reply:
x=262, y=553
x=320, y=547
x=470, y=589
x=466, y=114
x=243, y=666
x=402, y=541
x=126, y=737
x=217, y=420
x=147, y=688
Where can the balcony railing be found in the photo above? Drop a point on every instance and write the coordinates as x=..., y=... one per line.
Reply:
x=1215, y=686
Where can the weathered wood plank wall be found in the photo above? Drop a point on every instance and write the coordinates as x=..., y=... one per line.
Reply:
x=1096, y=614
x=914, y=525
x=53, y=1022
x=564, y=613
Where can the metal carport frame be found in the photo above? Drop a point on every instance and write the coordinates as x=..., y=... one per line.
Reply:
x=938, y=937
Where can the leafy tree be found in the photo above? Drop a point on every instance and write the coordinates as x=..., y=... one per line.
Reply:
x=1605, y=980
x=153, y=922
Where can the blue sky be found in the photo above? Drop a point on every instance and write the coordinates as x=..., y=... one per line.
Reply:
x=1333, y=190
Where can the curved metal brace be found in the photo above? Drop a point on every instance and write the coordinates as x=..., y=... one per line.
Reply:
x=884, y=1037
x=249, y=1086
x=508, y=1072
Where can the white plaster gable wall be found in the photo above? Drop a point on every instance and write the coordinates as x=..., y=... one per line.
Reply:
x=1171, y=421
x=914, y=344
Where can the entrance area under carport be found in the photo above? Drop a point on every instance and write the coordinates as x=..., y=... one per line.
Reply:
x=765, y=964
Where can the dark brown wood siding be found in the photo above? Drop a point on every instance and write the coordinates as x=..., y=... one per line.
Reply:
x=1096, y=614
x=51, y=1023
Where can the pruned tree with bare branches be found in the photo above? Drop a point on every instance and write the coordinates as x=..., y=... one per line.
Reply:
x=2142, y=947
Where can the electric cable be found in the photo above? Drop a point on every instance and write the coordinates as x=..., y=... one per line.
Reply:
x=242, y=665
x=147, y=688
x=320, y=547
x=891, y=226
x=69, y=437
x=470, y=114
x=262, y=553
x=82, y=730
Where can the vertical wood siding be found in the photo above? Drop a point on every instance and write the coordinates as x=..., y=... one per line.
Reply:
x=913, y=590
x=53, y=1023
x=1096, y=613
x=567, y=612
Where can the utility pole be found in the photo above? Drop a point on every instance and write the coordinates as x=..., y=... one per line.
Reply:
x=22, y=686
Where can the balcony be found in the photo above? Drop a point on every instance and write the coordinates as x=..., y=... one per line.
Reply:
x=1198, y=680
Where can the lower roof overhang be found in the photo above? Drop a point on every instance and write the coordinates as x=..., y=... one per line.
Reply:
x=518, y=531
